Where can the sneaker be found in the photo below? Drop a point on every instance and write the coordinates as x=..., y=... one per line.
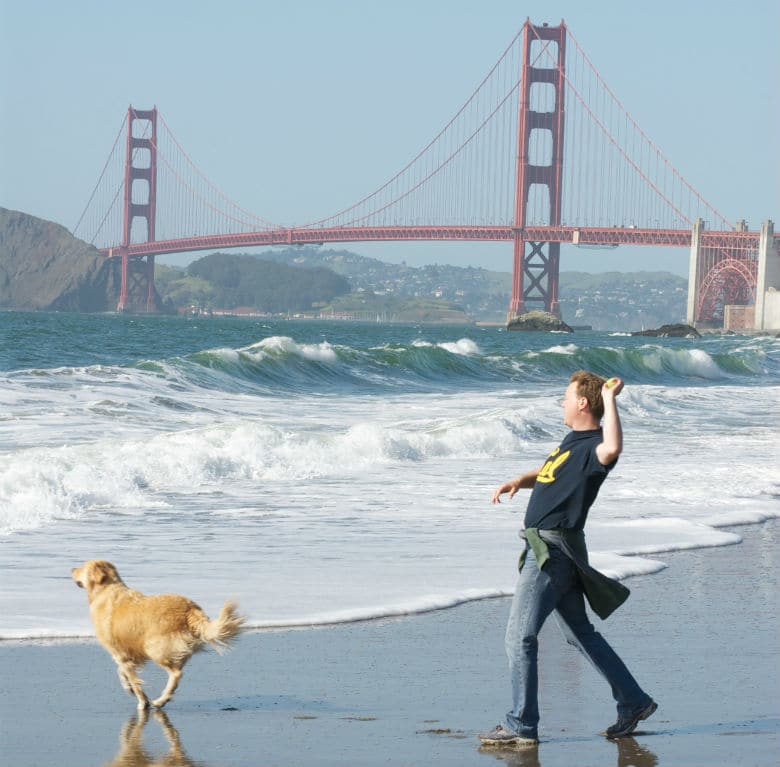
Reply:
x=627, y=724
x=500, y=736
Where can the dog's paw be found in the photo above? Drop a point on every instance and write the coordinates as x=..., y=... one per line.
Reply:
x=160, y=702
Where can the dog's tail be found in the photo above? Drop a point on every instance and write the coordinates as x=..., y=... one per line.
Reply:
x=226, y=627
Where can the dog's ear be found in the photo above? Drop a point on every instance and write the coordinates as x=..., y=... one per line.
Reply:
x=104, y=572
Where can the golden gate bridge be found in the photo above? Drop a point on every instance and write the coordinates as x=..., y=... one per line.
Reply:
x=541, y=153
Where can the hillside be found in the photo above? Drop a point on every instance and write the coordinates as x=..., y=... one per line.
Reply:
x=623, y=300
x=479, y=293
x=606, y=301
x=42, y=266
x=228, y=281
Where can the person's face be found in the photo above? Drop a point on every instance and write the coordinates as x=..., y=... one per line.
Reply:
x=572, y=404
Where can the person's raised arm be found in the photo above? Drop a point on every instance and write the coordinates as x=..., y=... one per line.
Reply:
x=524, y=481
x=612, y=445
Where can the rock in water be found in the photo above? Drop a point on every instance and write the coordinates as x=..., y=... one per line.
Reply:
x=677, y=330
x=538, y=320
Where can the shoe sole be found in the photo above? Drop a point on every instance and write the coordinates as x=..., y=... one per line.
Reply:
x=646, y=714
x=514, y=742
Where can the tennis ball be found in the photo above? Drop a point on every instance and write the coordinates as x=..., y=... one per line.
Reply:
x=611, y=382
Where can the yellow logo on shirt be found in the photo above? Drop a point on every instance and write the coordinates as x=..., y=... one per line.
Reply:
x=547, y=474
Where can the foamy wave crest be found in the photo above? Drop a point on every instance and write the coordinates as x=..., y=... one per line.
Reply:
x=282, y=345
x=464, y=346
x=564, y=349
x=689, y=363
x=279, y=364
x=40, y=486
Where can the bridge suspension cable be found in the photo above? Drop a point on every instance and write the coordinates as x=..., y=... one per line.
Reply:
x=93, y=218
x=624, y=176
x=613, y=175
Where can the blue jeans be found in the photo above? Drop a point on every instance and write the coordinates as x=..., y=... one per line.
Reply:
x=538, y=593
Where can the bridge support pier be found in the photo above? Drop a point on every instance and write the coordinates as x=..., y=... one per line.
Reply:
x=768, y=280
x=694, y=272
x=137, y=292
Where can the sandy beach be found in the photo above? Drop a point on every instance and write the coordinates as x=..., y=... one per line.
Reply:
x=700, y=636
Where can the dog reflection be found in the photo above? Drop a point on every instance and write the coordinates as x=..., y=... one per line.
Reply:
x=133, y=754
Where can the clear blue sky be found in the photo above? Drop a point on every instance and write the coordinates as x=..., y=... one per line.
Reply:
x=300, y=108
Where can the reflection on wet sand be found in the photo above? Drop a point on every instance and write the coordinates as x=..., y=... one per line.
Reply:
x=131, y=747
x=630, y=753
x=525, y=756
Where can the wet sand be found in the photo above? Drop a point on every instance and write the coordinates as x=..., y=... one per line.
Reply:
x=701, y=637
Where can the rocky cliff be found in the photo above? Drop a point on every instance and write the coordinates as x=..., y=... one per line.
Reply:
x=43, y=267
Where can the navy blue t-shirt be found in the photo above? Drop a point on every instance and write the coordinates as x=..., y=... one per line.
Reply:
x=568, y=483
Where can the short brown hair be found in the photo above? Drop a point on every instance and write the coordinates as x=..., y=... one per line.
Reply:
x=589, y=386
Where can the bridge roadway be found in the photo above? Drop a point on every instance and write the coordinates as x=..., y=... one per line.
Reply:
x=740, y=240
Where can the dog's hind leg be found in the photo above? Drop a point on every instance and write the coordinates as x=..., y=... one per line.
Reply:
x=174, y=675
x=127, y=672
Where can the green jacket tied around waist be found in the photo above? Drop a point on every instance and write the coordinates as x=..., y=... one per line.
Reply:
x=604, y=594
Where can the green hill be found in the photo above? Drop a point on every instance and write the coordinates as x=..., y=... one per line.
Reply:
x=228, y=281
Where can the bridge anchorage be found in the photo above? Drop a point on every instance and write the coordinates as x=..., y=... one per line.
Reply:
x=541, y=154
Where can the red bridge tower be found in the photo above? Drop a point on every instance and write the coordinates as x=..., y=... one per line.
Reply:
x=137, y=284
x=536, y=264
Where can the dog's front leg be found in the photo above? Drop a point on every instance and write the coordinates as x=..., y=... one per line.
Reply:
x=127, y=671
x=123, y=680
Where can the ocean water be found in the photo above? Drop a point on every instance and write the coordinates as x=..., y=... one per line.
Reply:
x=322, y=472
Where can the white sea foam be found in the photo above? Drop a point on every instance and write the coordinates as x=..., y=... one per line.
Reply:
x=566, y=349
x=464, y=346
x=322, y=352
x=40, y=485
x=692, y=362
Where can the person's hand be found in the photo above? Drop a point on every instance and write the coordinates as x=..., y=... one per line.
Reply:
x=612, y=387
x=507, y=487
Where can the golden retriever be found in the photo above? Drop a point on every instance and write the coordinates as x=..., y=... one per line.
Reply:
x=134, y=628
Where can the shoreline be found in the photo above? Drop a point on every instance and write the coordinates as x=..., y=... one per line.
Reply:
x=392, y=613
x=402, y=612
x=416, y=689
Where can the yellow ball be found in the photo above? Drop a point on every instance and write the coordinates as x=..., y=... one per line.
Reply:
x=612, y=382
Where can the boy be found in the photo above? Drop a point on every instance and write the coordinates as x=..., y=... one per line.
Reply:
x=554, y=570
